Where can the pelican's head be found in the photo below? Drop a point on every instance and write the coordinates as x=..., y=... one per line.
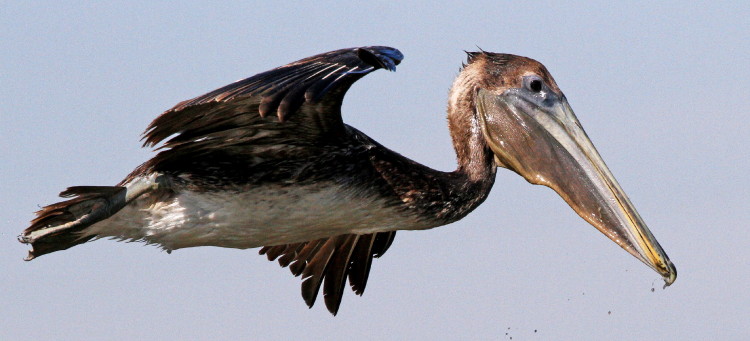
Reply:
x=528, y=124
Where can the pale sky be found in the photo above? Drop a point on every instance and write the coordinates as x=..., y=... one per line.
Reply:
x=661, y=90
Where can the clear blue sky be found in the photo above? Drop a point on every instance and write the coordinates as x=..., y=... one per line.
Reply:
x=661, y=89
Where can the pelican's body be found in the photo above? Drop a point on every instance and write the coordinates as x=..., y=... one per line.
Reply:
x=254, y=216
x=268, y=162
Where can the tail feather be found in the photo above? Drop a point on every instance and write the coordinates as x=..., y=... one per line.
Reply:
x=58, y=226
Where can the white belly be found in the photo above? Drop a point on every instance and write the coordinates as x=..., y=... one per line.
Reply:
x=267, y=216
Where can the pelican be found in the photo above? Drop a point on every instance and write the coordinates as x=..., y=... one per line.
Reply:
x=268, y=162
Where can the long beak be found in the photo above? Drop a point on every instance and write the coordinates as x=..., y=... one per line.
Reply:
x=547, y=146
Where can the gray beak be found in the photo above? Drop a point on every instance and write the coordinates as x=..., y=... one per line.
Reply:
x=539, y=137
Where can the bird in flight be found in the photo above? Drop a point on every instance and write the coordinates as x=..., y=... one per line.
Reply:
x=268, y=162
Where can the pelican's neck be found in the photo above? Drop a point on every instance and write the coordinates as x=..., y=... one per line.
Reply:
x=444, y=197
x=475, y=159
x=476, y=171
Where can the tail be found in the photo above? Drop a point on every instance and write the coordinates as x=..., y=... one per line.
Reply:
x=59, y=226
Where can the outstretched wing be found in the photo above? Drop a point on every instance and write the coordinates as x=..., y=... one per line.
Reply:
x=292, y=108
x=287, y=113
x=329, y=262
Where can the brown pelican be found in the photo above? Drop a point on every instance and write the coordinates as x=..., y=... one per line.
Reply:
x=268, y=162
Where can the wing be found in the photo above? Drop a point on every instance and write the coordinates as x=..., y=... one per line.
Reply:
x=329, y=262
x=281, y=113
x=288, y=113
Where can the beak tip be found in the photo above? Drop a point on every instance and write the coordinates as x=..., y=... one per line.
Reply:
x=671, y=275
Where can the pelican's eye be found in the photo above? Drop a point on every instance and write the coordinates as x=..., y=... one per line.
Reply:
x=535, y=88
x=535, y=85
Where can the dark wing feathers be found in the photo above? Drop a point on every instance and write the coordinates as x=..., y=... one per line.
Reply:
x=307, y=252
x=290, y=253
x=359, y=271
x=329, y=262
x=382, y=242
x=336, y=271
x=312, y=276
x=313, y=86
x=290, y=112
x=282, y=113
